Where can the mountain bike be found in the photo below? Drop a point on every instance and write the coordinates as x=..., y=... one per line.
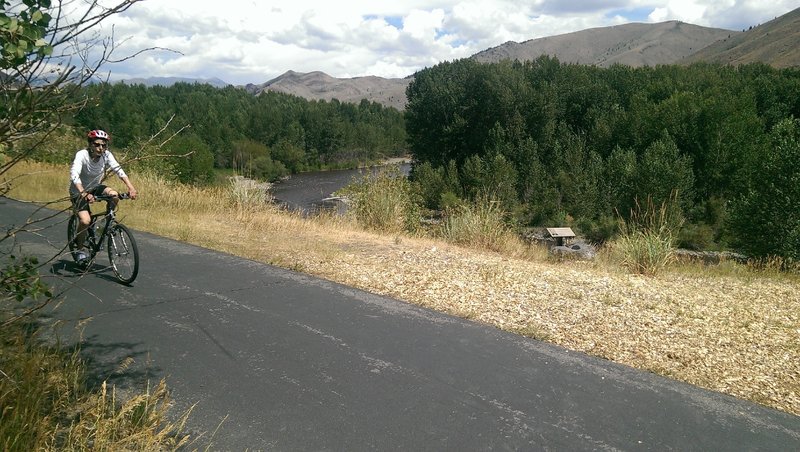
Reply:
x=122, y=251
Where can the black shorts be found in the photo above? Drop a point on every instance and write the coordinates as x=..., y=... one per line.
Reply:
x=80, y=203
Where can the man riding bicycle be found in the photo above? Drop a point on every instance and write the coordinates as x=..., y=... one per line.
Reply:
x=86, y=175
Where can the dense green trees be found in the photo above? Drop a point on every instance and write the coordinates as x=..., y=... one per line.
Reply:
x=765, y=220
x=585, y=144
x=265, y=136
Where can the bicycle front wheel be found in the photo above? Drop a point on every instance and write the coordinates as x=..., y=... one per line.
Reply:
x=123, y=254
x=72, y=229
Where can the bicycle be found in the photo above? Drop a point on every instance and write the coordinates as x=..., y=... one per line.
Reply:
x=122, y=251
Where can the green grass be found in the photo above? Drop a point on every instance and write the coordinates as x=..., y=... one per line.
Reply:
x=644, y=252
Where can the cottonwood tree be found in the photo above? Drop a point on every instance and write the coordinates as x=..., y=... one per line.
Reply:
x=765, y=221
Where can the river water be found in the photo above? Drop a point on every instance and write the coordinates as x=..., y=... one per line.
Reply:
x=306, y=191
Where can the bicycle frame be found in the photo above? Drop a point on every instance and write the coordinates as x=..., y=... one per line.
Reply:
x=95, y=240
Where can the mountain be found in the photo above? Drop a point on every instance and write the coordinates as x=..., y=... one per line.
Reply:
x=318, y=85
x=169, y=81
x=776, y=43
x=634, y=44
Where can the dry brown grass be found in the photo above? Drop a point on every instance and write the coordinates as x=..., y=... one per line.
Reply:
x=736, y=332
x=47, y=405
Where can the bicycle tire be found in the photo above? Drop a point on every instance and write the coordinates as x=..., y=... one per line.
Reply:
x=72, y=226
x=123, y=253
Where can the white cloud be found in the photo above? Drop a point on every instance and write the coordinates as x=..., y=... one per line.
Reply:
x=423, y=25
x=684, y=10
x=247, y=41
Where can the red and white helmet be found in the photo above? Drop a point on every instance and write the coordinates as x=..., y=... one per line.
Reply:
x=94, y=134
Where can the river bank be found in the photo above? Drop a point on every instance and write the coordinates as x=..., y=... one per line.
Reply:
x=309, y=192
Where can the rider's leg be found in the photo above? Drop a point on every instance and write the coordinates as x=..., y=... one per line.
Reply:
x=84, y=218
x=112, y=203
x=81, y=209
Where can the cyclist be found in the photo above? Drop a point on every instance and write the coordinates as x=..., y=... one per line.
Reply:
x=86, y=177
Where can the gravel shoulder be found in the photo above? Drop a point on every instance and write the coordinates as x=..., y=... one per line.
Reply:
x=738, y=335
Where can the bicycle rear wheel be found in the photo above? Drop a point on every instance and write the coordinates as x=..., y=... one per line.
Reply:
x=123, y=254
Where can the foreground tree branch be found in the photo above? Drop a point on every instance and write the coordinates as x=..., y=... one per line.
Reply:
x=52, y=50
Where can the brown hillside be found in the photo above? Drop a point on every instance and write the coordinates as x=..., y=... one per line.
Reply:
x=634, y=44
x=776, y=43
x=320, y=86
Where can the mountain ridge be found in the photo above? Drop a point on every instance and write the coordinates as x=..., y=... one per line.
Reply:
x=633, y=44
x=321, y=86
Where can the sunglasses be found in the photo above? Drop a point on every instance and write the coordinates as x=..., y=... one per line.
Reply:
x=100, y=144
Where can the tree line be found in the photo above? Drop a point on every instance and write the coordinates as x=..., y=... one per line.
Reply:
x=266, y=136
x=565, y=144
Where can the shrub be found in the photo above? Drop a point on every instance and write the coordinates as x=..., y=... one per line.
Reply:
x=247, y=193
x=57, y=147
x=449, y=201
x=599, y=230
x=429, y=183
x=646, y=243
x=383, y=202
x=696, y=237
x=480, y=224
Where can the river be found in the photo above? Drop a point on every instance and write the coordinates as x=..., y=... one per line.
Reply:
x=306, y=191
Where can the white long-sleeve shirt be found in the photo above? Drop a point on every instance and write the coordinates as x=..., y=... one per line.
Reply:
x=89, y=173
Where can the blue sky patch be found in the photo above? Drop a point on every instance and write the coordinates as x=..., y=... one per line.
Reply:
x=395, y=21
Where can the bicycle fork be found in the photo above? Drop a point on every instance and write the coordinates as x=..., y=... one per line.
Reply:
x=118, y=245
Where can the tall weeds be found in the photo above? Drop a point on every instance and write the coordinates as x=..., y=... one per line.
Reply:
x=249, y=194
x=47, y=406
x=383, y=202
x=479, y=225
x=646, y=244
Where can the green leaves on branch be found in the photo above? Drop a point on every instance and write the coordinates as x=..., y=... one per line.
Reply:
x=22, y=32
x=20, y=279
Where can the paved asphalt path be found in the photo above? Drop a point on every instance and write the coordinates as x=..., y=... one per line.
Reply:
x=283, y=361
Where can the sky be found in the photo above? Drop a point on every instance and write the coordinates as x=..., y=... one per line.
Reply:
x=254, y=41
